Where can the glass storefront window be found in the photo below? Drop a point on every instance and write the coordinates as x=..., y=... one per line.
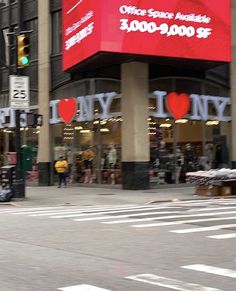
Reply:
x=176, y=146
x=181, y=146
x=102, y=137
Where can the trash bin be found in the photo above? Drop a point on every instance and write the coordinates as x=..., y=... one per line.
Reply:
x=26, y=158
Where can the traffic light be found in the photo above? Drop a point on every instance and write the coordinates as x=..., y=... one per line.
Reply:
x=23, y=50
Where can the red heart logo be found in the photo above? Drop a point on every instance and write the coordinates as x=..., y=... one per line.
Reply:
x=67, y=109
x=178, y=104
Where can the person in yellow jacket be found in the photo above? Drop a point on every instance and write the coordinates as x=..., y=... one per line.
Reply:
x=61, y=167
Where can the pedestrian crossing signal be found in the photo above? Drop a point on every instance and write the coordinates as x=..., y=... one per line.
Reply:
x=23, y=50
x=34, y=119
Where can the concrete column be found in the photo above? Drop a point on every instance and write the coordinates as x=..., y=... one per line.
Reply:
x=233, y=86
x=44, y=149
x=135, y=139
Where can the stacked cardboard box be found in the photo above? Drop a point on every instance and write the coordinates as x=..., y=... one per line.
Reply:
x=213, y=190
x=225, y=191
x=207, y=190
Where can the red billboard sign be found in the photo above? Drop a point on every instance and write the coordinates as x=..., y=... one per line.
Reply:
x=175, y=28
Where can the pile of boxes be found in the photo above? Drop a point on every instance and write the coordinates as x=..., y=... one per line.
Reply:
x=213, y=190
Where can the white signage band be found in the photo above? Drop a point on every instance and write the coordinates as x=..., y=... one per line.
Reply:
x=199, y=109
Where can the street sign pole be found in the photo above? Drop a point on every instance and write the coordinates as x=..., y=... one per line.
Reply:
x=19, y=184
x=20, y=92
x=19, y=99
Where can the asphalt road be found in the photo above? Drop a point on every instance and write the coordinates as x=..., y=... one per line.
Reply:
x=188, y=246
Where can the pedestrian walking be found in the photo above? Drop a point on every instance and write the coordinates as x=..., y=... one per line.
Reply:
x=61, y=167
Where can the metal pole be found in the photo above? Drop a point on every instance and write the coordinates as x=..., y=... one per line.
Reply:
x=19, y=184
x=99, y=153
x=175, y=128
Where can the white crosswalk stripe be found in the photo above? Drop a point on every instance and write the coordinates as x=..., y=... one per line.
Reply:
x=51, y=211
x=223, y=236
x=183, y=222
x=82, y=287
x=11, y=210
x=213, y=208
x=203, y=229
x=170, y=283
x=108, y=211
x=126, y=215
x=212, y=270
x=190, y=271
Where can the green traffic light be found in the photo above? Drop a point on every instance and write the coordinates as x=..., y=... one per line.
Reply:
x=24, y=61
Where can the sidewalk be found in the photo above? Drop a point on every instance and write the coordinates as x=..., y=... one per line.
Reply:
x=92, y=196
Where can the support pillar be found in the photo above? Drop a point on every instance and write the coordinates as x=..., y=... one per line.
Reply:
x=135, y=138
x=44, y=148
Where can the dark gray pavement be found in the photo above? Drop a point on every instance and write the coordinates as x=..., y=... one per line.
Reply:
x=91, y=195
x=42, y=250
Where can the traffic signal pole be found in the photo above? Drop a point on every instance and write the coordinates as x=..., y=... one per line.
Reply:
x=21, y=56
x=19, y=183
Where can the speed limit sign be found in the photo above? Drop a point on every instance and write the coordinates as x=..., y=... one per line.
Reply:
x=19, y=92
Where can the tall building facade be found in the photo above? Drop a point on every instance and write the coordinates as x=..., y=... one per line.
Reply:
x=121, y=112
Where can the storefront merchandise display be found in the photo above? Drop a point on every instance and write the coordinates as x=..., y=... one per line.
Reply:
x=179, y=164
x=112, y=156
x=209, y=155
x=110, y=165
x=88, y=158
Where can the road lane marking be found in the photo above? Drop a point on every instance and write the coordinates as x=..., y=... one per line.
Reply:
x=170, y=283
x=182, y=222
x=223, y=236
x=123, y=216
x=206, y=201
x=212, y=208
x=212, y=270
x=118, y=211
x=202, y=229
x=102, y=211
x=170, y=217
x=82, y=288
x=52, y=211
x=89, y=212
x=30, y=209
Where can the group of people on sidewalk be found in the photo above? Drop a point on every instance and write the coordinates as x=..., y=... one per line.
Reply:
x=83, y=168
x=63, y=168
